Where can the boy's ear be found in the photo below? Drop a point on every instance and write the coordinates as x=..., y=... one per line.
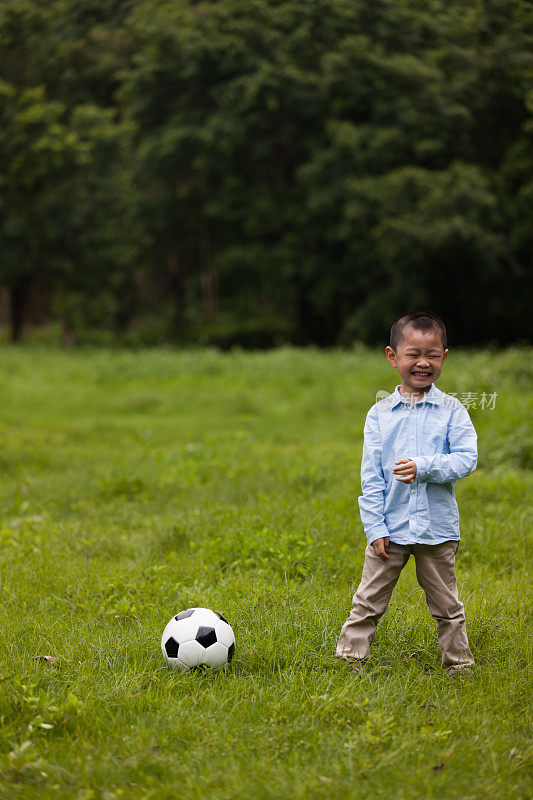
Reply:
x=391, y=356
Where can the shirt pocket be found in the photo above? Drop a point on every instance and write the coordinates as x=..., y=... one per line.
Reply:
x=435, y=438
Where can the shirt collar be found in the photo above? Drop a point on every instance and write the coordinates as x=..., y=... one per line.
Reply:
x=433, y=396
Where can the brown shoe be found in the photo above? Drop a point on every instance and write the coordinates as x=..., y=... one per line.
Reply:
x=459, y=671
x=355, y=663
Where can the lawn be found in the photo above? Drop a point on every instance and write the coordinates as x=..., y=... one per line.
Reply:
x=137, y=484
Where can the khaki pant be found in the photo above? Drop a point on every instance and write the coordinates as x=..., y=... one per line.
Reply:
x=435, y=572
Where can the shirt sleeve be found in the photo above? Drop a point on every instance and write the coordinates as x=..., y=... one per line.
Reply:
x=372, y=501
x=462, y=458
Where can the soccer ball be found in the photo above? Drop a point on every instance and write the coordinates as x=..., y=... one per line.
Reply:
x=198, y=638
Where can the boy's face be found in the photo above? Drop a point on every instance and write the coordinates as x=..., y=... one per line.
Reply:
x=418, y=352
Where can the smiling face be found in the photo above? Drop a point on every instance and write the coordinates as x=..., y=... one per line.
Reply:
x=419, y=359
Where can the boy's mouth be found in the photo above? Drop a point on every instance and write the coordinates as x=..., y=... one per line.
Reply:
x=421, y=374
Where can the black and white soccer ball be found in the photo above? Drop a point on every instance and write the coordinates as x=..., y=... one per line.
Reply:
x=198, y=638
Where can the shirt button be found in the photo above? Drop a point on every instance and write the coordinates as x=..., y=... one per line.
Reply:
x=412, y=516
x=412, y=491
x=412, y=437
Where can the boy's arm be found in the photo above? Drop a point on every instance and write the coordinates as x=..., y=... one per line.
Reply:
x=371, y=503
x=462, y=458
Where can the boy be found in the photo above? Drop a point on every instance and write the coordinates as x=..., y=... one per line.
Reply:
x=417, y=443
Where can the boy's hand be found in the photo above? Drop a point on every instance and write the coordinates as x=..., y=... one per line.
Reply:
x=406, y=473
x=379, y=546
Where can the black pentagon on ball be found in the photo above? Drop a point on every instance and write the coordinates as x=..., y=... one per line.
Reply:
x=206, y=636
x=184, y=614
x=172, y=647
x=221, y=617
x=231, y=650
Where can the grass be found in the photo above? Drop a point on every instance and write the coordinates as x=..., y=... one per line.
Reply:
x=138, y=484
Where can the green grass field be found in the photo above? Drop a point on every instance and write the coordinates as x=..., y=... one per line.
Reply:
x=134, y=485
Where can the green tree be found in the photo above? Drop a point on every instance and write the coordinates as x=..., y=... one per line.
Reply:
x=66, y=198
x=261, y=127
x=303, y=158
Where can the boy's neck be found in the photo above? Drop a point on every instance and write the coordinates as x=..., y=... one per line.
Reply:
x=414, y=396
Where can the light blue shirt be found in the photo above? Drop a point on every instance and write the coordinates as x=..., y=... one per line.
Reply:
x=438, y=435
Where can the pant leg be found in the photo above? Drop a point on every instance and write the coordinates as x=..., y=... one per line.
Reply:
x=435, y=571
x=371, y=599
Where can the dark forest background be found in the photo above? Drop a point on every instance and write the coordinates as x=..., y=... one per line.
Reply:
x=255, y=172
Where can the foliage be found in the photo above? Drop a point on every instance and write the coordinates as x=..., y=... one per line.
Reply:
x=327, y=164
x=66, y=201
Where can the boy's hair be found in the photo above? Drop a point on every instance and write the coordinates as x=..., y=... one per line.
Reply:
x=421, y=321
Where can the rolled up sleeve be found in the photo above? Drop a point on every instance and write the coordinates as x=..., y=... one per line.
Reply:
x=372, y=501
x=462, y=458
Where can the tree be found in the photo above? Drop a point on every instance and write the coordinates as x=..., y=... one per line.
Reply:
x=66, y=198
x=301, y=158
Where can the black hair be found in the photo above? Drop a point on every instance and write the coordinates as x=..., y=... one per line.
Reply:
x=420, y=321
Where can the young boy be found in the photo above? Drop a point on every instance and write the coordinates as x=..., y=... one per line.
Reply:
x=417, y=443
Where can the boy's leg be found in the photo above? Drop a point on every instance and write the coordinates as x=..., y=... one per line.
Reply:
x=435, y=571
x=371, y=600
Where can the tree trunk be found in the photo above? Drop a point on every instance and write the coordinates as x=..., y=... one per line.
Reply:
x=5, y=301
x=177, y=287
x=209, y=277
x=68, y=336
x=209, y=280
x=18, y=300
x=304, y=314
